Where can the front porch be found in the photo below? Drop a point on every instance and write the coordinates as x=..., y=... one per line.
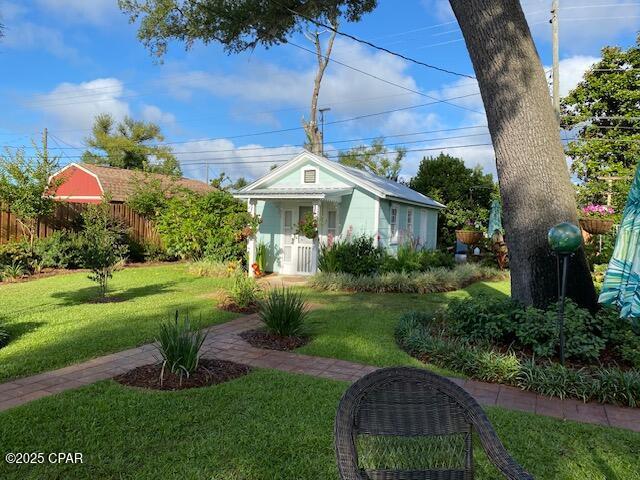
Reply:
x=286, y=251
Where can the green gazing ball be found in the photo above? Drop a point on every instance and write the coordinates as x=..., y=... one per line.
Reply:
x=565, y=238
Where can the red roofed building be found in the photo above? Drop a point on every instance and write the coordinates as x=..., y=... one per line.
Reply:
x=88, y=183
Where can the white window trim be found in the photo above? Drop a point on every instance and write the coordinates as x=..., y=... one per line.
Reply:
x=410, y=226
x=308, y=167
x=393, y=236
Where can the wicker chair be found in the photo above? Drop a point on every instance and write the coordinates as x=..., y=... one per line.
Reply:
x=396, y=416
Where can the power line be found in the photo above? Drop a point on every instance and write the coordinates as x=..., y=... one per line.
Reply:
x=384, y=80
x=377, y=47
x=350, y=140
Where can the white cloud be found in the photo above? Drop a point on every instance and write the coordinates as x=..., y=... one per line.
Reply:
x=96, y=12
x=250, y=161
x=440, y=9
x=73, y=106
x=151, y=113
x=571, y=71
x=29, y=36
x=582, y=26
x=260, y=85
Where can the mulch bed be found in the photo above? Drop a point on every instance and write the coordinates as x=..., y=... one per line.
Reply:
x=230, y=306
x=209, y=372
x=261, y=338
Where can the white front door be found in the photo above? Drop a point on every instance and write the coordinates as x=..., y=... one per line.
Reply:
x=297, y=250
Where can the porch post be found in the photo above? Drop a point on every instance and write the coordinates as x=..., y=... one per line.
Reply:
x=316, y=241
x=251, y=243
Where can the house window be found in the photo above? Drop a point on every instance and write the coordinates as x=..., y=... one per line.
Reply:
x=332, y=223
x=410, y=222
x=393, y=223
x=309, y=176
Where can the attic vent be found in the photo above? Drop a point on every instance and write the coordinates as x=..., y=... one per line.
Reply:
x=309, y=176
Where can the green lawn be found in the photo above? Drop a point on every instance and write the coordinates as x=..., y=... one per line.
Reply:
x=268, y=425
x=360, y=327
x=53, y=324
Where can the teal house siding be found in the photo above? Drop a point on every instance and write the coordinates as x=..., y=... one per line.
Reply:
x=358, y=212
x=345, y=202
x=270, y=232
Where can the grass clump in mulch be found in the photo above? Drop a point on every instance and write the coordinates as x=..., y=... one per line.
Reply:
x=209, y=372
x=262, y=338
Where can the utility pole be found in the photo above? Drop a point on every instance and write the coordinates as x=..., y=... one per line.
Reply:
x=322, y=110
x=45, y=135
x=556, y=56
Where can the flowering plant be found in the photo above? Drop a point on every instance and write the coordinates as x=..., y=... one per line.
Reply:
x=308, y=226
x=472, y=226
x=597, y=211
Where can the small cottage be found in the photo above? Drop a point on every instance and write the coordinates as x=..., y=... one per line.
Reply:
x=88, y=183
x=346, y=202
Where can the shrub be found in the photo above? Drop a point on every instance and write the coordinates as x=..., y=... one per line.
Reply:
x=357, y=256
x=436, y=259
x=284, y=311
x=104, y=245
x=416, y=334
x=245, y=291
x=214, y=225
x=408, y=259
x=4, y=336
x=179, y=346
x=62, y=249
x=504, y=321
x=431, y=281
x=210, y=268
x=16, y=253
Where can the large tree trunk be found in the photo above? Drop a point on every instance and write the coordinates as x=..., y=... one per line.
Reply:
x=314, y=135
x=534, y=179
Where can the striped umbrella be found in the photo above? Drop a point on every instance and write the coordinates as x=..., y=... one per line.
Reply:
x=495, y=218
x=621, y=285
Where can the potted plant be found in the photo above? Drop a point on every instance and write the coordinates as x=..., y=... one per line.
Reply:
x=596, y=219
x=470, y=233
x=308, y=226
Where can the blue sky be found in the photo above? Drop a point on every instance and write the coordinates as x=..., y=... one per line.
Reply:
x=64, y=61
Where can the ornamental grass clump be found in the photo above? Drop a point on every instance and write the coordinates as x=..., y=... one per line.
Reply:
x=209, y=268
x=284, y=312
x=245, y=291
x=430, y=281
x=179, y=345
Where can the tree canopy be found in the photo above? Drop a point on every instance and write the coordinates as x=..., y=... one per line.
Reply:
x=128, y=145
x=23, y=184
x=467, y=192
x=605, y=109
x=238, y=26
x=374, y=158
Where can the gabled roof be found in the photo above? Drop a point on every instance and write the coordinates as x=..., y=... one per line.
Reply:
x=120, y=183
x=379, y=186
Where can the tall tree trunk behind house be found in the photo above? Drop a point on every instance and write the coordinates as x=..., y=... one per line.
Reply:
x=314, y=135
x=534, y=179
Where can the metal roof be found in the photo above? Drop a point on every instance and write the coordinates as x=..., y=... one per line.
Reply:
x=379, y=186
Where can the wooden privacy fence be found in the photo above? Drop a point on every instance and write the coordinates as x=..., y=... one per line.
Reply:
x=66, y=216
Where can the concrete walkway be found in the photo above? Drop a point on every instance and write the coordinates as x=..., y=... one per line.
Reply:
x=223, y=342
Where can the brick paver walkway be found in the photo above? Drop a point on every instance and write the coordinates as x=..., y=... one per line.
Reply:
x=223, y=342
